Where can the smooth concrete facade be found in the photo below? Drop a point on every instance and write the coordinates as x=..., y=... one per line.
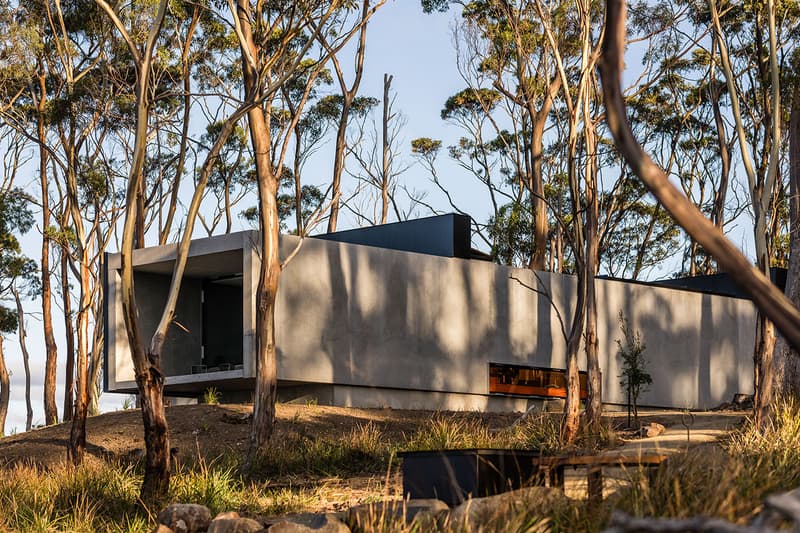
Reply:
x=366, y=326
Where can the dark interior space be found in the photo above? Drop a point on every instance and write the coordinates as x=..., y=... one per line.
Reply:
x=222, y=324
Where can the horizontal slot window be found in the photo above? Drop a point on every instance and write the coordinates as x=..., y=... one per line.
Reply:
x=519, y=380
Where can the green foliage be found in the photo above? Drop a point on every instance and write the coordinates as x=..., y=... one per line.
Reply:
x=634, y=377
x=470, y=102
x=511, y=233
x=15, y=269
x=426, y=147
x=211, y=396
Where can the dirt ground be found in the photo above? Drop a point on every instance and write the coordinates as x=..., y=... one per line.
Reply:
x=212, y=430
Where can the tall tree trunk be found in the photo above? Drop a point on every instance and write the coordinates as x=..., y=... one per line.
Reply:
x=4, y=389
x=77, y=435
x=51, y=357
x=385, y=170
x=147, y=365
x=570, y=423
x=69, y=335
x=25, y=359
x=786, y=360
x=765, y=337
x=348, y=95
x=538, y=202
x=269, y=223
x=594, y=403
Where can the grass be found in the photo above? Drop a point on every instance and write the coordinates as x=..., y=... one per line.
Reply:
x=727, y=480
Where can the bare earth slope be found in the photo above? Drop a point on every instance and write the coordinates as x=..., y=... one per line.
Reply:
x=212, y=430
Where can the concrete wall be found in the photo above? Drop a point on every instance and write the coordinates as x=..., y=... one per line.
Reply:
x=354, y=315
x=382, y=324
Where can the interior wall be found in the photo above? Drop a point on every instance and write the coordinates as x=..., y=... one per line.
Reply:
x=182, y=347
x=223, y=329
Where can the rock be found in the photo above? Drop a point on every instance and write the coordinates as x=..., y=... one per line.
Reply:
x=479, y=510
x=229, y=418
x=653, y=429
x=185, y=517
x=390, y=511
x=307, y=522
x=235, y=525
x=161, y=528
x=227, y=515
x=743, y=402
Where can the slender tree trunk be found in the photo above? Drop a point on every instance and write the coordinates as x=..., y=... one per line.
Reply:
x=187, y=109
x=269, y=273
x=594, y=403
x=347, y=101
x=25, y=359
x=298, y=189
x=786, y=360
x=69, y=335
x=147, y=366
x=570, y=424
x=385, y=170
x=338, y=163
x=77, y=440
x=51, y=357
x=4, y=389
x=538, y=202
x=270, y=268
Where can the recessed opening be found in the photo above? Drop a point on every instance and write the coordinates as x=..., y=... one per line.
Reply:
x=521, y=380
x=206, y=334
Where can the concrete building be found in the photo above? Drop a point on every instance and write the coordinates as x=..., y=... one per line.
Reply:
x=408, y=316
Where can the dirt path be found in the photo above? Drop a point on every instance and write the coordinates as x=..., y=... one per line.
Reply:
x=703, y=427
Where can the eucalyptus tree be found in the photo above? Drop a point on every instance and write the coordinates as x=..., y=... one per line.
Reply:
x=275, y=38
x=765, y=295
x=751, y=40
x=25, y=104
x=348, y=95
x=15, y=219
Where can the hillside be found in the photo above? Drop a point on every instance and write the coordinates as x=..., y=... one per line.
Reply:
x=214, y=430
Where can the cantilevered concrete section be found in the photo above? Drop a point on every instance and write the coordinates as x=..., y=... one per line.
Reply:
x=367, y=326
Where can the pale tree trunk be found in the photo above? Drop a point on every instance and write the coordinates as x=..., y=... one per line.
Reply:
x=765, y=336
x=50, y=368
x=187, y=108
x=4, y=389
x=385, y=170
x=270, y=268
x=570, y=423
x=765, y=295
x=536, y=185
x=786, y=360
x=69, y=334
x=594, y=403
x=97, y=361
x=147, y=366
x=77, y=440
x=25, y=359
x=348, y=94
